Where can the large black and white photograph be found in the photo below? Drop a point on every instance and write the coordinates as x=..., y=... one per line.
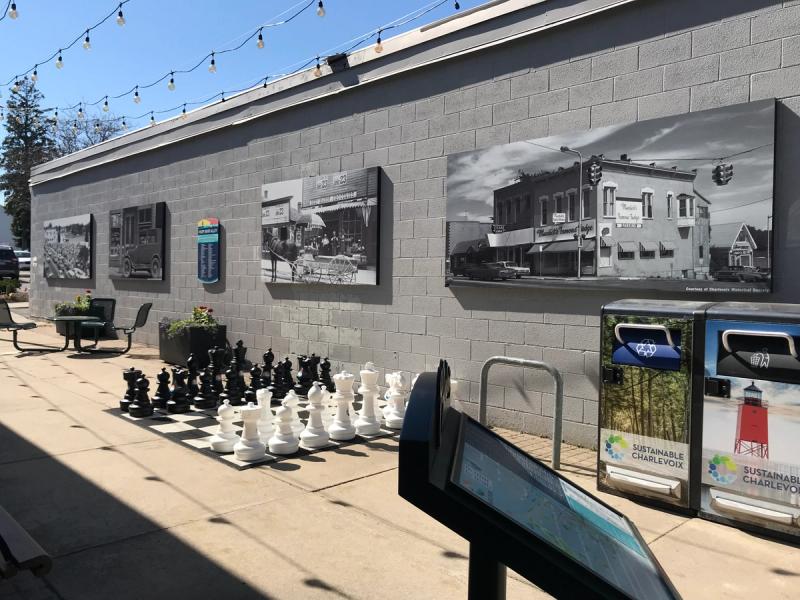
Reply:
x=681, y=203
x=136, y=242
x=68, y=248
x=322, y=229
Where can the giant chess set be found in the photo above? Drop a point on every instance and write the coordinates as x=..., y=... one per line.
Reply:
x=215, y=410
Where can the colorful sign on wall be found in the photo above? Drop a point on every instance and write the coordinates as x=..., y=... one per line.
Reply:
x=208, y=250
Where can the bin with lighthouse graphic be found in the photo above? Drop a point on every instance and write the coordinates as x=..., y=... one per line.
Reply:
x=651, y=364
x=750, y=470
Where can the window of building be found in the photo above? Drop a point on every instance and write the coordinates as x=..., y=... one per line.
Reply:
x=686, y=206
x=624, y=254
x=647, y=253
x=700, y=251
x=572, y=205
x=647, y=203
x=558, y=201
x=543, y=210
x=666, y=253
x=670, y=196
x=586, y=210
x=609, y=197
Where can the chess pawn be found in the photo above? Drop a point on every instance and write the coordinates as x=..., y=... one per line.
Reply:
x=179, y=403
x=162, y=394
x=397, y=402
x=292, y=400
x=206, y=398
x=265, y=427
x=367, y=423
x=255, y=384
x=193, y=366
x=141, y=406
x=314, y=435
x=284, y=441
x=225, y=438
x=130, y=376
x=342, y=429
x=250, y=447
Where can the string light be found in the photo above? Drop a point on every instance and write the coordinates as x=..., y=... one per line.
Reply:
x=457, y=6
x=260, y=42
x=54, y=118
x=120, y=17
x=15, y=88
x=19, y=119
x=136, y=98
x=74, y=128
x=80, y=113
x=317, y=69
x=105, y=105
x=171, y=84
x=183, y=113
x=87, y=45
x=59, y=62
x=35, y=74
x=13, y=13
x=152, y=119
x=212, y=66
x=320, y=9
x=378, y=44
x=222, y=94
x=97, y=127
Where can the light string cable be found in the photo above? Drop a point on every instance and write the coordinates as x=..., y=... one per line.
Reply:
x=84, y=35
x=5, y=10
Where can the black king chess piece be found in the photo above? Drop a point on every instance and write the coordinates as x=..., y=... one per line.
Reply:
x=207, y=398
x=179, y=403
x=130, y=376
x=141, y=406
x=162, y=395
x=216, y=357
x=266, y=369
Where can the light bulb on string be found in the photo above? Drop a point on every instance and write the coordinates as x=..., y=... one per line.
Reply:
x=222, y=94
x=317, y=69
x=265, y=81
x=97, y=127
x=212, y=66
x=456, y=5
x=260, y=42
x=80, y=112
x=35, y=74
x=124, y=125
x=105, y=105
x=12, y=12
x=152, y=119
x=87, y=45
x=171, y=84
x=54, y=118
x=59, y=62
x=2, y=114
x=378, y=44
x=183, y=112
x=15, y=87
x=136, y=98
x=320, y=9
x=120, y=17
x=74, y=128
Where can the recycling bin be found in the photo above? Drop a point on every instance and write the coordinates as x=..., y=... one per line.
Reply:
x=651, y=364
x=751, y=418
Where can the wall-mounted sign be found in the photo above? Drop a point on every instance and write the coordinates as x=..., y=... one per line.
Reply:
x=208, y=250
x=498, y=228
x=628, y=213
x=275, y=214
x=565, y=231
x=559, y=217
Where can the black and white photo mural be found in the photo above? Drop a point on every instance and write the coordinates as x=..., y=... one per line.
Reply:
x=680, y=203
x=68, y=248
x=322, y=229
x=136, y=242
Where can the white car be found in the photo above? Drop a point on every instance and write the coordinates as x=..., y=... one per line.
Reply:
x=24, y=258
x=518, y=271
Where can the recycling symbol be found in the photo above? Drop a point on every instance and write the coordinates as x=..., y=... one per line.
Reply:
x=646, y=348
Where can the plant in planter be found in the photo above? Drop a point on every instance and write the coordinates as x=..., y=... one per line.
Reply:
x=79, y=306
x=195, y=335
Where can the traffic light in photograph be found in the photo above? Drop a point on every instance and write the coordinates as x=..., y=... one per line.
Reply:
x=722, y=174
x=595, y=172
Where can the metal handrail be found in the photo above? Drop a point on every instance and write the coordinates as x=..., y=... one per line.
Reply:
x=531, y=364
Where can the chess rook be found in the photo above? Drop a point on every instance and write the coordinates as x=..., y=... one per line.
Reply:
x=130, y=376
x=265, y=427
x=367, y=423
x=250, y=447
x=342, y=428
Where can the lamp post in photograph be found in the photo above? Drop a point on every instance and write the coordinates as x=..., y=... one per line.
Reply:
x=579, y=234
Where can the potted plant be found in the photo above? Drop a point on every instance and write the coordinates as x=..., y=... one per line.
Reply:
x=195, y=335
x=79, y=306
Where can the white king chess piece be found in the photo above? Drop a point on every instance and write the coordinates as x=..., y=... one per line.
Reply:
x=342, y=429
x=250, y=447
x=225, y=438
x=397, y=401
x=314, y=435
x=265, y=428
x=292, y=400
x=367, y=423
x=284, y=441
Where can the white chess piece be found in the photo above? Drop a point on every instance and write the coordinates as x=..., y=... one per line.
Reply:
x=225, y=438
x=342, y=428
x=391, y=382
x=397, y=402
x=284, y=441
x=265, y=428
x=314, y=435
x=367, y=423
x=249, y=447
x=292, y=400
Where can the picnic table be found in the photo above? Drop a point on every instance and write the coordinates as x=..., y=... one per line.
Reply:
x=73, y=329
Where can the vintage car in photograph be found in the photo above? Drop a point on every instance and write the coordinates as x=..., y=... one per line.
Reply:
x=742, y=274
x=489, y=271
x=518, y=271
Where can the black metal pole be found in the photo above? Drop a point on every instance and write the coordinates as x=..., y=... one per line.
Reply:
x=487, y=577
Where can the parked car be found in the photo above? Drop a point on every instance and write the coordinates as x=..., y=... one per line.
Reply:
x=518, y=271
x=742, y=274
x=9, y=264
x=24, y=259
x=489, y=272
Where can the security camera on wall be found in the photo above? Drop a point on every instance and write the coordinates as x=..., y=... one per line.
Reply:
x=136, y=242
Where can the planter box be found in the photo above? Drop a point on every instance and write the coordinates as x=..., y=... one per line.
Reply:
x=192, y=340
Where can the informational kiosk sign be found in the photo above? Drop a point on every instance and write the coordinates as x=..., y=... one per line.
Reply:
x=208, y=250
x=515, y=511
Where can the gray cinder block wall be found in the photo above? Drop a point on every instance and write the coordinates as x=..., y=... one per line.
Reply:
x=645, y=59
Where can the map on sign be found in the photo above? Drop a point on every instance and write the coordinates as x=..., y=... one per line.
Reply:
x=557, y=512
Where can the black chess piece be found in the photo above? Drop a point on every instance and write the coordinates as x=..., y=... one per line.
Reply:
x=215, y=359
x=269, y=358
x=314, y=367
x=207, y=397
x=278, y=387
x=255, y=384
x=304, y=379
x=141, y=406
x=162, y=395
x=193, y=364
x=240, y=356
x=232, y=393
x=130, y=376
x=287, y=374
x=325, y=375
x=179, y=403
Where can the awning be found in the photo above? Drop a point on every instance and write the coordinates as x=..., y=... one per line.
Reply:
x=606, y=242
x=310, y=218
x=668, y=246
x=565, y=246
x=627, y=246
x=342, y=205
x=517, y=237
x=648, y=246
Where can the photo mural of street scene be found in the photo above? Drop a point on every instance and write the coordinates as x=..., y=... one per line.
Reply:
x=68, y=248
x=322, y=229
x=681, y=203
x=136, y=242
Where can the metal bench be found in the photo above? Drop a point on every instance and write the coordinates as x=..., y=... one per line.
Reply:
x=7, y=323
x=141, y=321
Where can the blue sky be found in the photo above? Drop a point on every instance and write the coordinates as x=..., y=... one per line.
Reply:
x=163, y=36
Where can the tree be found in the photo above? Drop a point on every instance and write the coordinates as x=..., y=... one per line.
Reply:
x=28, y=142
x=73, y=134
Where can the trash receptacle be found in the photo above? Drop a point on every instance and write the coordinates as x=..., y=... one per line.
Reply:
x=751, y=417
x=650, y=363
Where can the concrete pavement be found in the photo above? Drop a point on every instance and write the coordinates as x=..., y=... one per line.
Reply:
x=128, y=514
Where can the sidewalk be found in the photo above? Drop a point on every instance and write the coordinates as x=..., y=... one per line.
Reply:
x=128, y=514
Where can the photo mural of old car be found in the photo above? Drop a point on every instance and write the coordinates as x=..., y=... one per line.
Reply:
x=136, y=242
x=489, y=271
